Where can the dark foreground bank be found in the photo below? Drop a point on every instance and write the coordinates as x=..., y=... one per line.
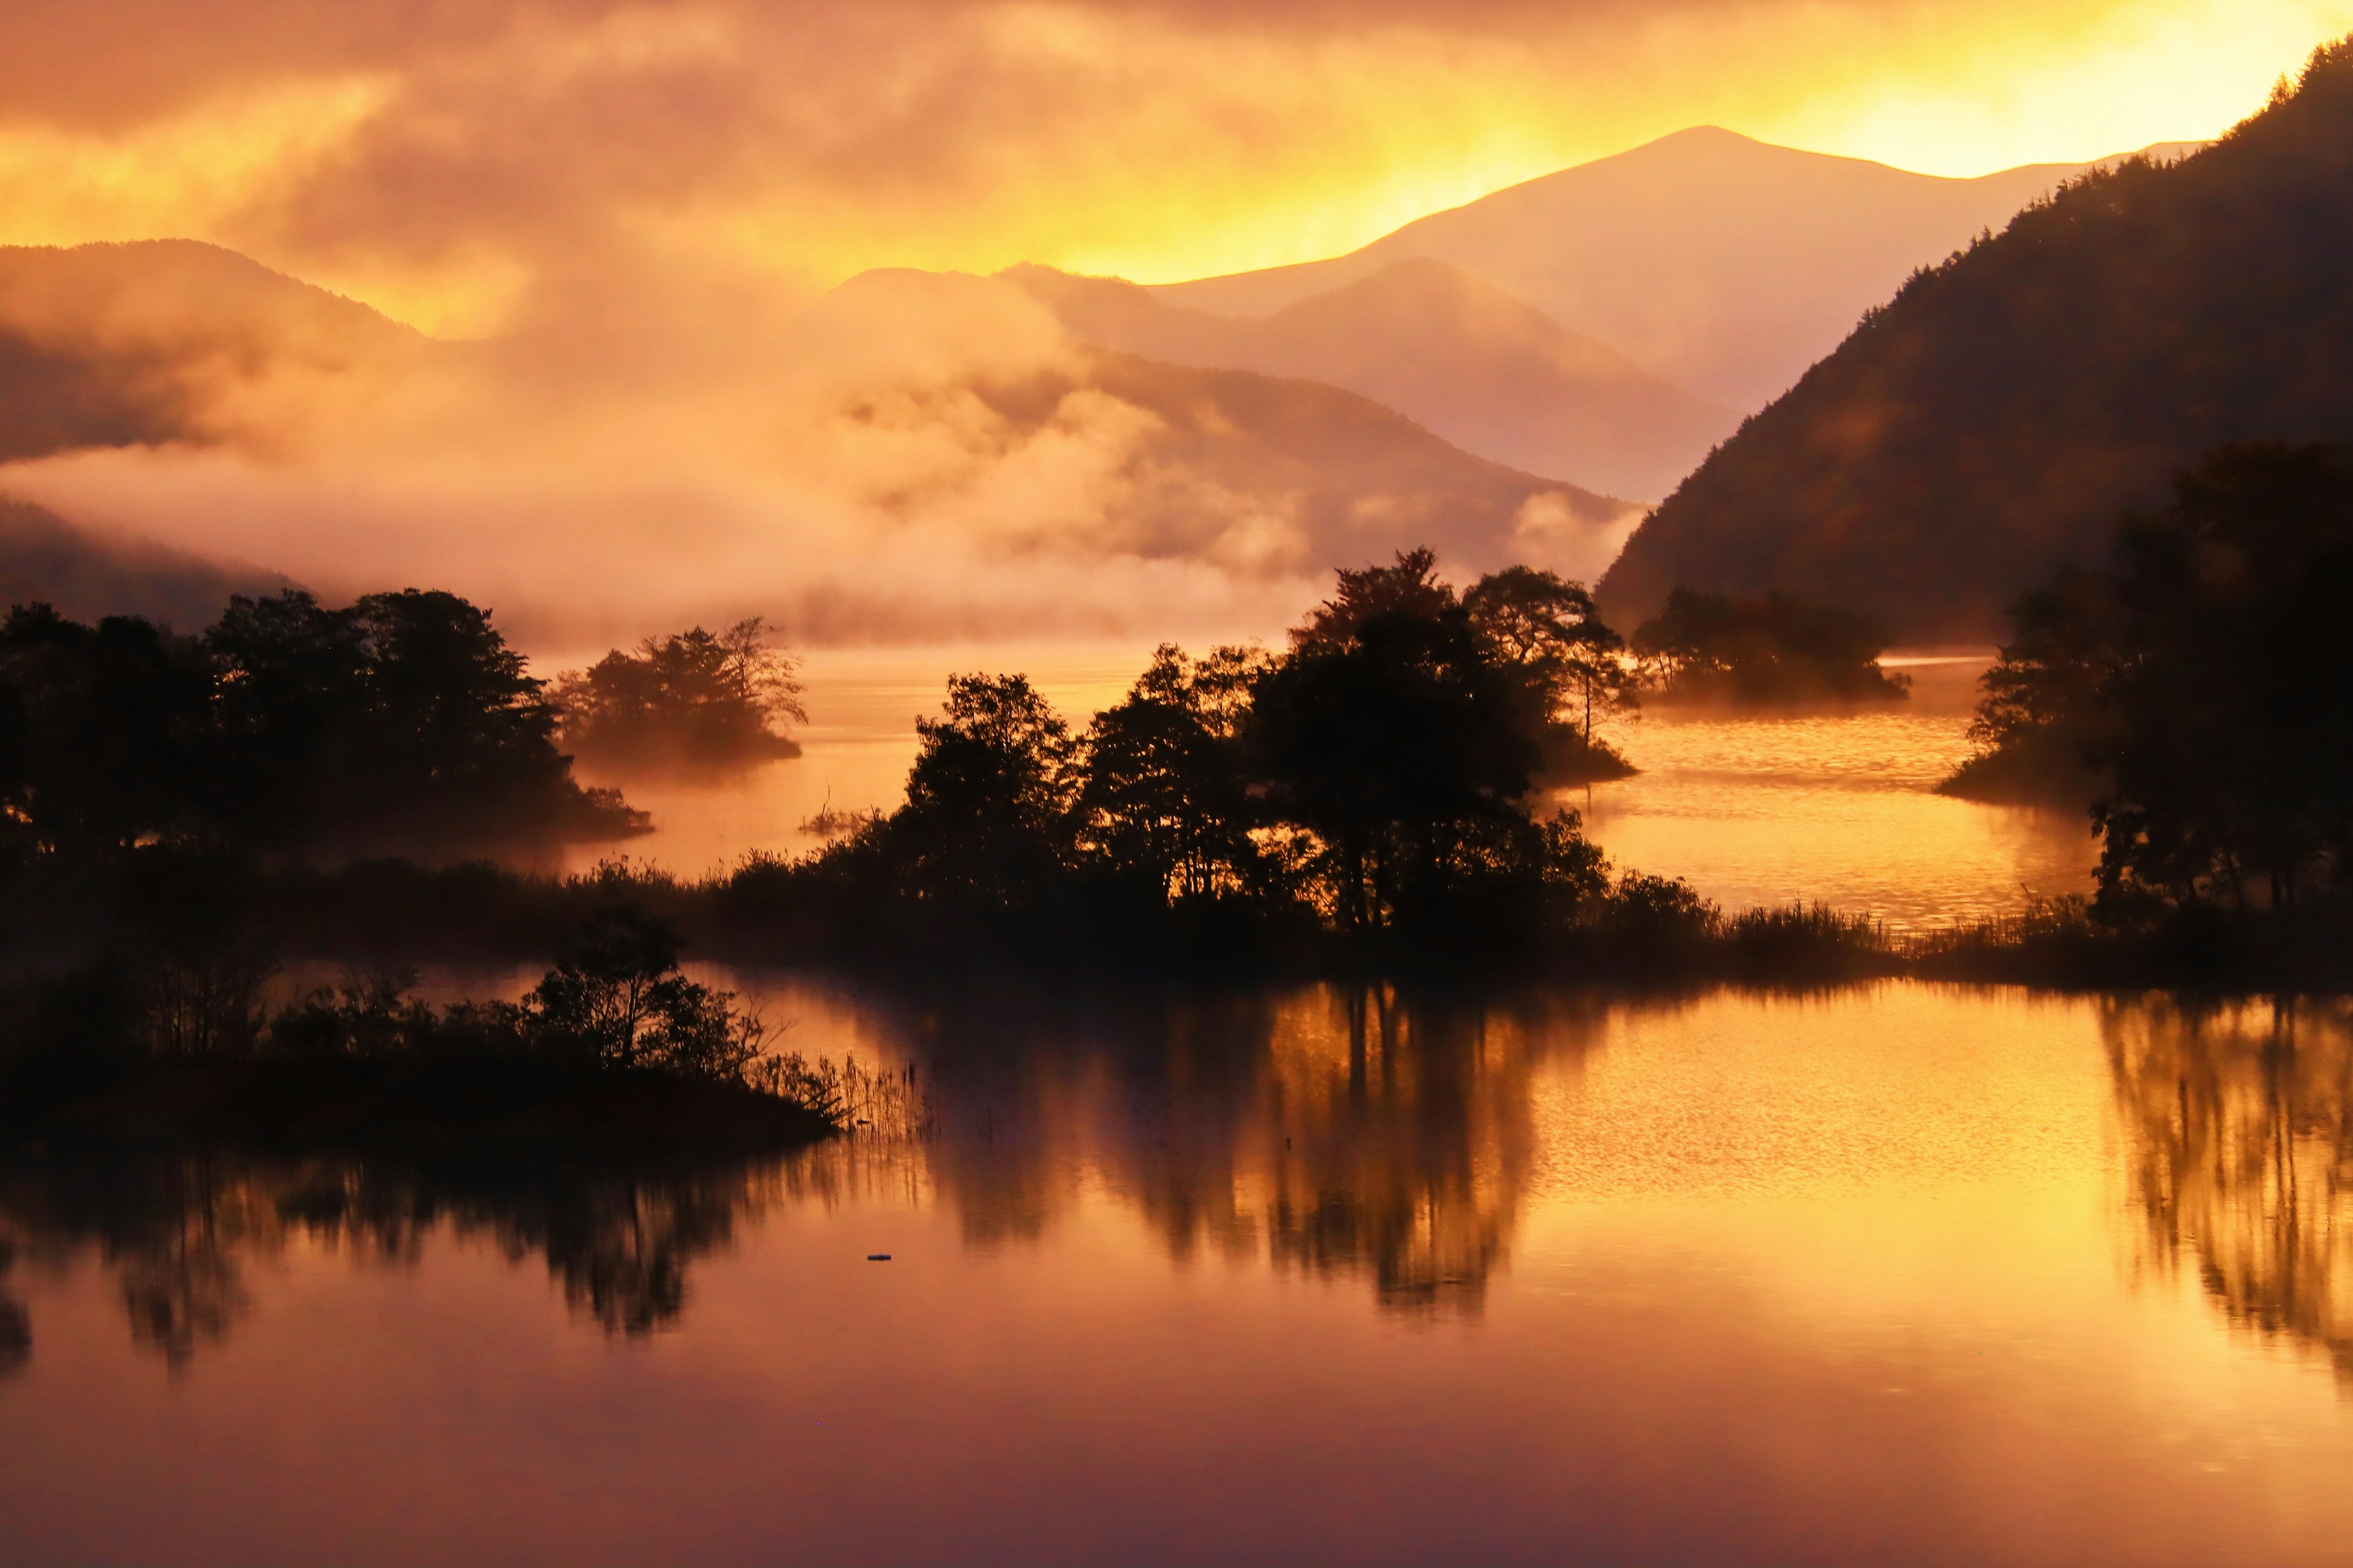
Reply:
x=614, y=1052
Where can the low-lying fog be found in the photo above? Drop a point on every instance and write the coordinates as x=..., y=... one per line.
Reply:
x=917, y=458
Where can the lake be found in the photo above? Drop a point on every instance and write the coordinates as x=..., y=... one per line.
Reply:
x=1897, y=1273
x=1892, y=1273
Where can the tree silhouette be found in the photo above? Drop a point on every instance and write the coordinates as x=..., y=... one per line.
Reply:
x=1166, y=800
x=1714, y=647
x=1393, y=733
x=694, y=697
x=988, y=819
x=2204, y=680
x=402, y=718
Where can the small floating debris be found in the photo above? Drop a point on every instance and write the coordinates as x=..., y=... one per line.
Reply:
x=878, y=1257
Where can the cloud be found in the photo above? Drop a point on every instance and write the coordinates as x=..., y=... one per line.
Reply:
x=462, y=164
x=635, y=203
x=922, y=457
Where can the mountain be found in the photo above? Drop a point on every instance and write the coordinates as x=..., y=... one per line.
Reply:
x=1994, y=416
x=43, y=557
x=125, y=344
x=1256, y=472
x=1460, y=357
x=1723, y=264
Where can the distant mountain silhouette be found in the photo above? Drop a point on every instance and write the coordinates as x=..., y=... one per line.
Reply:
x=1457, y=355
x=1725, y=265
x=1992, y=420
x=116, y=345
x=1255, y=471
x=43, y=557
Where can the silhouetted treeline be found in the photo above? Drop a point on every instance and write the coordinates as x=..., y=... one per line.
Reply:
x=1989, y=422
x=2198, y=688
x=1368, y=787
x=694, y=697
x=400, y=719
x=1769, y=649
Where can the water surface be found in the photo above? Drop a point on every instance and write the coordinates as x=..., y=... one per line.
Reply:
x=1895, y=1274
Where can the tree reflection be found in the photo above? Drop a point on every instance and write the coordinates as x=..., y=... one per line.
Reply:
x=16, y=1322
x=1366, y=1134
x=1332, y=1131
x=2241, y=1154
x=183, y=1235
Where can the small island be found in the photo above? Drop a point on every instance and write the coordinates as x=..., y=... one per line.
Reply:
x=694, y=698
x=1769, y=650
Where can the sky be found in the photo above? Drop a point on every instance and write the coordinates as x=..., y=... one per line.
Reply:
x=470, y=165
x=639, y=203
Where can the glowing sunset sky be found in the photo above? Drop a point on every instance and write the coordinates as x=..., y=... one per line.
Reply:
x=458, y=164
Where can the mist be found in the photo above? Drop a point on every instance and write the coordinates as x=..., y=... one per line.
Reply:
x=911, y=458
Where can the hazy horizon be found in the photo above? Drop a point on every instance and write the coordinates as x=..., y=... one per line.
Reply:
x=713, y=323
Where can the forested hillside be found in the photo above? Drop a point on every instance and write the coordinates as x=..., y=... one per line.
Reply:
x=1993, y=419
x=46, y=559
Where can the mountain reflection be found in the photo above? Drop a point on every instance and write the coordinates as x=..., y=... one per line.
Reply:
x=2240, y=1154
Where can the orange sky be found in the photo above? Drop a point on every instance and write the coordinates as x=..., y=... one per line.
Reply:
x=467, y=164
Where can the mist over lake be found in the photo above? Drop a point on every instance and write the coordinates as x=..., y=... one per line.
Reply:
x=1053, y=781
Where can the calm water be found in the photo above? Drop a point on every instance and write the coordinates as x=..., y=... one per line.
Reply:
x=1890, y=1274
x=1900, y=1274
x=1834, y=808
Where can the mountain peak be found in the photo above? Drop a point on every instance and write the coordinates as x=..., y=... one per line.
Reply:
x=1722, y=264
x=1996, y=415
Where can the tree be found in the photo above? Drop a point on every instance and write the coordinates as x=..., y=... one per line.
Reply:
x=2231, y=682
x=1548, y=630
x=402, y=716
x=101, y=728
x=616, y=999
x=988, y=818
x=1392, y=733
x=2204, y=679
x=695, y=696
x=1714, y=647
x=2040, y=725
x=292, y=687
x=1165, y=800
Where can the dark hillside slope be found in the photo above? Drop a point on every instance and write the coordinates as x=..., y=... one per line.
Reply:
x=43, y=557
x=1994, y=418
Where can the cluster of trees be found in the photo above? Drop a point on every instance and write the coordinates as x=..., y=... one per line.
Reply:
x=1992, y=419
x=1770, y=648
x=401, y=718
x=185, y=1014
x=1371, y=780
x=2198, y=688
x=696, y=697
x=614, y=1002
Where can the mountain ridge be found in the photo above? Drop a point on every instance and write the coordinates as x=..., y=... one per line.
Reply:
x=143, y=342
x=1721, y=263
x=1261, y=471
x=1997, y=415
x=1460, y=357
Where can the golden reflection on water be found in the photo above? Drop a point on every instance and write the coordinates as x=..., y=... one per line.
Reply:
x=1837, y=807
x=1897, y=1272
x=1356, y=1133
x=2240, y=1155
